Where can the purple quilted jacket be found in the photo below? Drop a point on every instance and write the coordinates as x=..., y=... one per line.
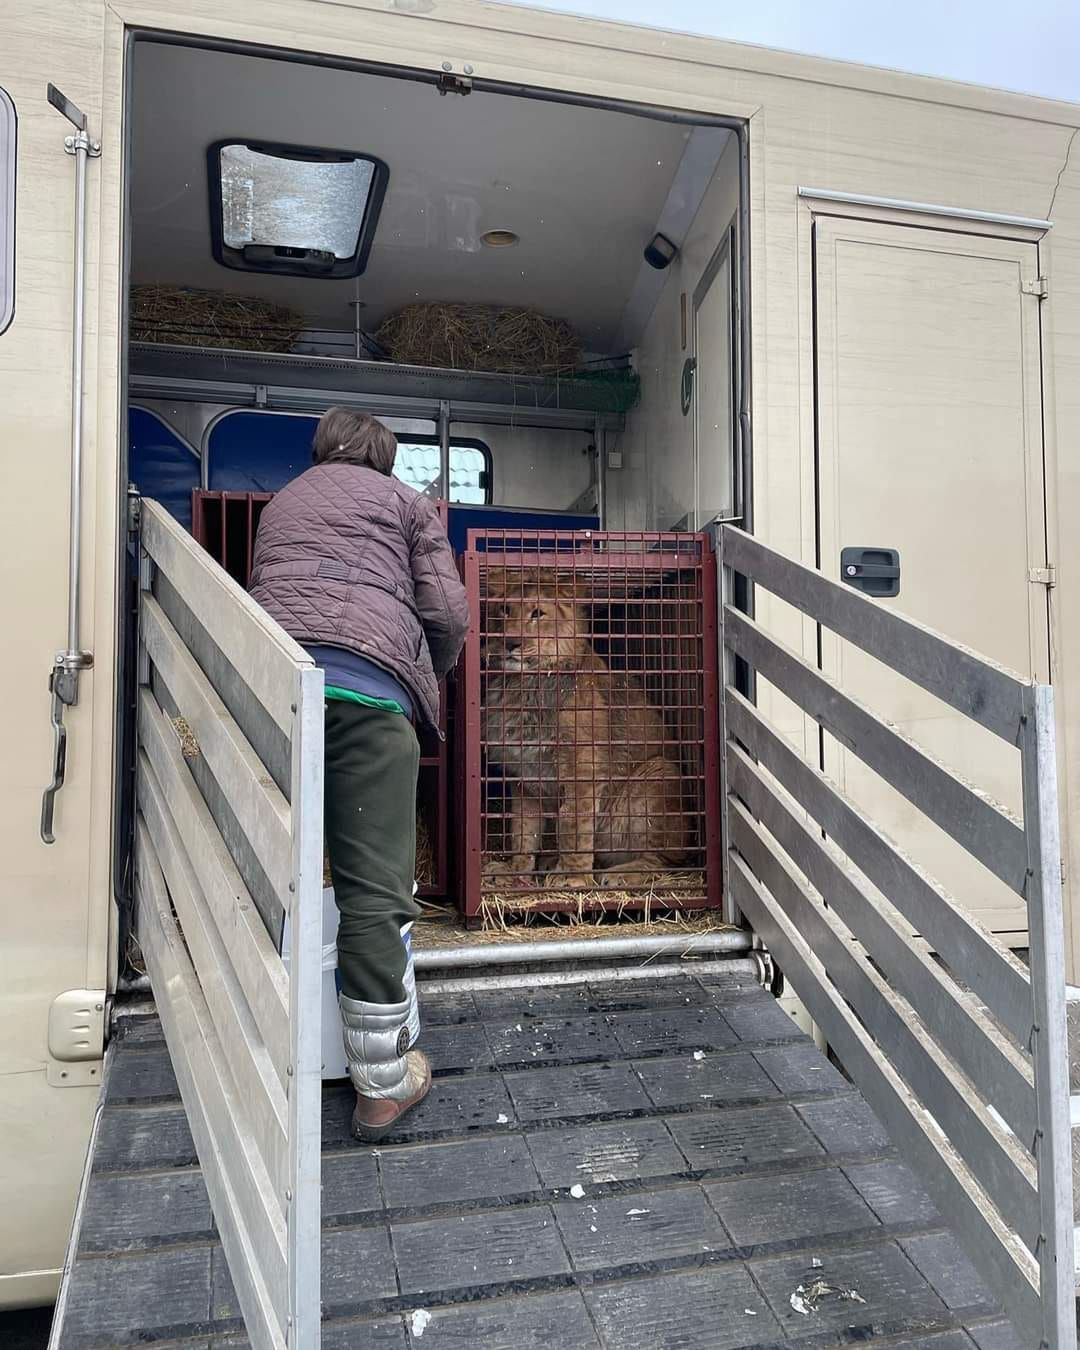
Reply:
x=346, y=556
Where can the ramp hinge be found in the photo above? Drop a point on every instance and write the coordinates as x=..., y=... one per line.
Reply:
x=1043, y=576
x=1038, y=286
x=76, y=1037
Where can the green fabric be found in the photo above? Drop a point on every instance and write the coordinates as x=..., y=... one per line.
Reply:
x=372, y=760
x=351, y=696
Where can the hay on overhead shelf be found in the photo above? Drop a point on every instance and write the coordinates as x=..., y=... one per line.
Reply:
x=194, y=318
x=512, y=341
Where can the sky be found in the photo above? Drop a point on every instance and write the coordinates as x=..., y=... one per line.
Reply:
x=1032, y=47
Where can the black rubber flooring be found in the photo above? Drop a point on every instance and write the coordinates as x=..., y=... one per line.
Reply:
x=655, y=1165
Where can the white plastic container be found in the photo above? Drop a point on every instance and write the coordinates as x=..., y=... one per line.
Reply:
x=334, y=1065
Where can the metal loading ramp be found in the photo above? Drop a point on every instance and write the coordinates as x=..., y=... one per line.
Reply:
x=634, y=1165
x=717, y=1158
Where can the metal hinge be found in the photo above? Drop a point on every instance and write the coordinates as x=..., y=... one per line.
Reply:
x=1039, y=287
x=76, y=1037
x=454, y=84
x=1043, y=576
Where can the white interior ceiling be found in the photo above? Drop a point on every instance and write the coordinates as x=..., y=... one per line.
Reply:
x=585, y=189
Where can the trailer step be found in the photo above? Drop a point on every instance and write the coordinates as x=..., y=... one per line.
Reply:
x=617, y=1166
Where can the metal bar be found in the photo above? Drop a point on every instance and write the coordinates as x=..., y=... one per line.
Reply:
x=281, y=398
x=984, y=692
x=256, y=962
x=548, y=979
x=745, y=501
x=600, y=452
x=1053, y=1149
x=263, y=654
x=993, y=973
x=258, y=1089
x=469, y=713
x=303, y=1196
x=994, y=1248
x=69, y=664
x=925, y=208
x=79, y=146
x=246, y=1209
x=570, y=949
x=969, y=1036
x=444, y=450
x=969, y=817
x=259, y=807
x=993, y=1156
x=712, y=729
x=727, y=679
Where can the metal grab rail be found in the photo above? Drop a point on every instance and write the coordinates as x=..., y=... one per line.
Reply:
x=69, y=664
x=229, y=839
x=944, y=1034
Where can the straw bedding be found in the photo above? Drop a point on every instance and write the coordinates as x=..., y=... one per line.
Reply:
x=443, y=926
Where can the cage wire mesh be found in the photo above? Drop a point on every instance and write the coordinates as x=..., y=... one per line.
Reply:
x=589, y=728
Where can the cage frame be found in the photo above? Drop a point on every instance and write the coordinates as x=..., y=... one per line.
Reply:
x=685, y=552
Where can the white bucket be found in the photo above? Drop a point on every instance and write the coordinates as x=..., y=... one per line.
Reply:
x=334, y=1064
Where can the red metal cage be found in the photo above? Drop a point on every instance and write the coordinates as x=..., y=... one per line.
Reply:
x=225, y=524
x=587, y=720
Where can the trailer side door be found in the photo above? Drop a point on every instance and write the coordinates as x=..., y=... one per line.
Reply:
x=929, y=438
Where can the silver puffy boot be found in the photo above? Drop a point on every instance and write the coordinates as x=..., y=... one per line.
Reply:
x=389, y=1078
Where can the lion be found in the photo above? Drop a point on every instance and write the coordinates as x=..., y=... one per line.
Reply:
x=582, y=750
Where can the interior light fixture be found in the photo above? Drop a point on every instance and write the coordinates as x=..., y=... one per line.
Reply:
x=499, y=238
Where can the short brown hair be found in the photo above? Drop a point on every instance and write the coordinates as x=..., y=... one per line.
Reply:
x=347, y=437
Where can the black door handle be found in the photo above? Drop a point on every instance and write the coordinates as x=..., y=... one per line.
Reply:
x=874, y=571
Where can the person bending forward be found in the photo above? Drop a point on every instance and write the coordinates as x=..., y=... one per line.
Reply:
x=357, y=567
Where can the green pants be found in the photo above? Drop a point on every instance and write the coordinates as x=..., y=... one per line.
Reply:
x=372, y=760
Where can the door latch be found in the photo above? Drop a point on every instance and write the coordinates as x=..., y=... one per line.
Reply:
x=64, y=688
x=874, y=571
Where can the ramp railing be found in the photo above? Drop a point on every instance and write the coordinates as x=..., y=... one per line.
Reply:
x=229, y=839
x=958, y=1045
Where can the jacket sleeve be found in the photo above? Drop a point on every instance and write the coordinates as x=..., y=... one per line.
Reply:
x=440, y=596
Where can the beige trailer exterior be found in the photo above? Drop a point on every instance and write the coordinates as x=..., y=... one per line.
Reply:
x=941, y=275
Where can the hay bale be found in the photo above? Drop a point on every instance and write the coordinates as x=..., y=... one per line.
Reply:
x=186, y=317
x=511, y=341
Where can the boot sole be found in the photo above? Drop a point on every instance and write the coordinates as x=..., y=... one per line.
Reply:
x=371, y=1134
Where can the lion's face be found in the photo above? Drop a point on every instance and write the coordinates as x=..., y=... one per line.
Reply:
x=534, y=629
